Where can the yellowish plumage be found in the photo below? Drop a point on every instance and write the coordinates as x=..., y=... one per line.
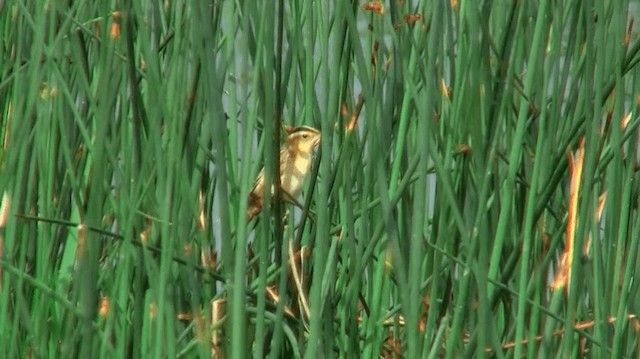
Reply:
x=296, y=158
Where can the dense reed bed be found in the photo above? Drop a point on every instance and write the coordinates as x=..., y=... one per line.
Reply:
x=475, y=192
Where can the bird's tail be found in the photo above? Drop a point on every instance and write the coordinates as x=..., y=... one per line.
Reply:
x=255, y=206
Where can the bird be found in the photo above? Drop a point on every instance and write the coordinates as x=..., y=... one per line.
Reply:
x=296, y=158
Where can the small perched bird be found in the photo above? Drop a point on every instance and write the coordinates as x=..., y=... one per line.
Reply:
x=296, y=157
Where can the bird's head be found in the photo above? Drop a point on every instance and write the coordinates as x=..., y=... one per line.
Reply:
x=303, y=139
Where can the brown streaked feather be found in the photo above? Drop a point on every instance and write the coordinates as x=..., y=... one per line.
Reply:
x=296, y=156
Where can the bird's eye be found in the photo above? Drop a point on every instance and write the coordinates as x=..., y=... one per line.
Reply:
x=305, y=136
